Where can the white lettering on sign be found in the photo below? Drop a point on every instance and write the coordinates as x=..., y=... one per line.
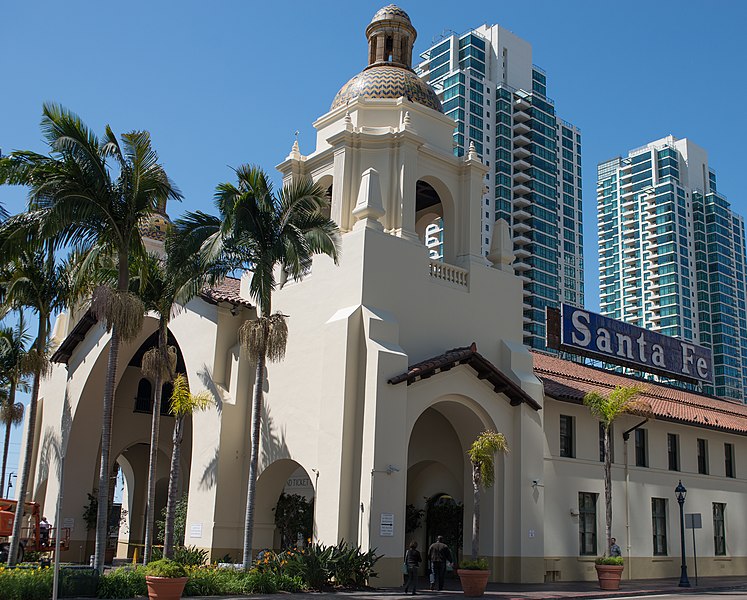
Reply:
x=582, y=326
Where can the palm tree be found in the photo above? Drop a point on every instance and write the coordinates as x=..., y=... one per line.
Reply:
x=164, y=288
x=607, y=408
x=257, y=230
x=33, y=281
x=482, y=456
x=13, y=344
x=183, y=404
x=76, y=197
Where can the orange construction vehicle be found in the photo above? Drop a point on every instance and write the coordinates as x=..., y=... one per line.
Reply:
x=34, y=538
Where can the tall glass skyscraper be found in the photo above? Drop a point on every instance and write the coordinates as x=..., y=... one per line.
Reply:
x=487, y=83
x=672, y=253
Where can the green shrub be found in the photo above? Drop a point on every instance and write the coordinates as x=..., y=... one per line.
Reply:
x=124, y=582
x=25, y=583
x=190, y=556
x=481, y=564
x=165, y=568
x=609, y=560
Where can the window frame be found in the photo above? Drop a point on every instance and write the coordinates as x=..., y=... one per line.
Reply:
x=641, y=447
x=729, y=467
x=702, y=455
x=673, y=451
x=587, y=515
x=570, y=435
x=719, y=528
x=659, y=526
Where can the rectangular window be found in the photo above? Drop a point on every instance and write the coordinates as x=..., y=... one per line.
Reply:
x=719, y=531
x=702, y=456
x=659, y=522
x=729, y=460
x=601, y=442
x=567, y=446
x=673, y=451
x=587, y=523
x=641, y=450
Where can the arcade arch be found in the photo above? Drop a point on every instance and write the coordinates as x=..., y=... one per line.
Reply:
x=439, y=475
x=434, y=218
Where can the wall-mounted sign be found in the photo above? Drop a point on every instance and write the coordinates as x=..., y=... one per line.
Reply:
x=579, y=331
x=195, y=530
x=386, y=525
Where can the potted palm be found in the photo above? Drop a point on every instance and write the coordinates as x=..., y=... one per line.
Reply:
x=165, y=579
x=474, y=573
x=607, y=408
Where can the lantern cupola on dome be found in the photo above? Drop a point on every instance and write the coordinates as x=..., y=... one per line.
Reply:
x=389, y=73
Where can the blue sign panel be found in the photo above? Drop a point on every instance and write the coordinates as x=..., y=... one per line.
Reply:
x=642, y=349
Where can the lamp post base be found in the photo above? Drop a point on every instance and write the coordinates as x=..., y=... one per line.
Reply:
x=684, y=581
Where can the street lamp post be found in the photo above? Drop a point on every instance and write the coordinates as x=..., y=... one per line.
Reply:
x=10, y=484
x=681, y=492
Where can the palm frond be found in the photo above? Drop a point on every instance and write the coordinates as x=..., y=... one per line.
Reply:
x=122, y=310
x=482, y=454
x=182, y=402
x=265, y=336
x=155, y=363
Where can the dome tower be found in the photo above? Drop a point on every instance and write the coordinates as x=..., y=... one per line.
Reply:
x=389, y=73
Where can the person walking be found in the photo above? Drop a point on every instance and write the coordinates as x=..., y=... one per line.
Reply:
x=412, y=560
x=438, y=555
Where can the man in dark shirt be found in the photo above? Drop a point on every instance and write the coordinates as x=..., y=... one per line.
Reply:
x=438, y=555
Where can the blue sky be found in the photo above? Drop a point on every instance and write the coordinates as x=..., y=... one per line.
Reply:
x=228, y=82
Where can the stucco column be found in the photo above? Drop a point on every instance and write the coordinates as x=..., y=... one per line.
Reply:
x=469, y=240
x=405, y=190
x=384, y=453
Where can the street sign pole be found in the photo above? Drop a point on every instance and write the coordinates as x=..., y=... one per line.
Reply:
x=694, y=521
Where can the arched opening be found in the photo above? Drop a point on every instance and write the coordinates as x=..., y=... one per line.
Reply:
x=388, y=48
x=144, y=395
x=429, y=222
x=439, y=478
x=284, y=491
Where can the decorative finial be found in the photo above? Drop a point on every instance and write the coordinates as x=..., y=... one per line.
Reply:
x=406, y=121
x=472, y=153
x=501, y=255
x=348, y=122
x=295, y=152
x=369, y=207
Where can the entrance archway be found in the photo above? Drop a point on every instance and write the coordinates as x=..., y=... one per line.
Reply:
x=276, y=486
x=439, y=477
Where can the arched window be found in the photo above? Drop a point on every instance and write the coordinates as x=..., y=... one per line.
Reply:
x=388, y=48
x=143, y=398
x=166, y=392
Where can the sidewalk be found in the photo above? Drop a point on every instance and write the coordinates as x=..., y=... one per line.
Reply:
x=540, y=591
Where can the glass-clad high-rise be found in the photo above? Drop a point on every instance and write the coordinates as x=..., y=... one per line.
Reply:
x=487, y=83
x=672, y=253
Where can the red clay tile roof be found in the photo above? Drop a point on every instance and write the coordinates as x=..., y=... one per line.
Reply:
x=570, y=381
x=467, y=356
x=226, y=291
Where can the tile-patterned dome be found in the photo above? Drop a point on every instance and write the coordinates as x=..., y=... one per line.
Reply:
x=391, y=12
x=154, y=226
x=388, y=82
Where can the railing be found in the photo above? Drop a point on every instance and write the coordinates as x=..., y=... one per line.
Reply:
x=448, y=273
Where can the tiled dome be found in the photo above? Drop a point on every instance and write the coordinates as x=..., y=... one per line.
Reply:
x=388, y=82
x=154, y=226
x=391, y=12
x=389, y=72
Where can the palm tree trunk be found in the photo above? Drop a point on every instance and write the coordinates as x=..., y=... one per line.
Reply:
x=102, y=514
x=607, y=489
x=152, y=461
x=23, y=479
x=251, y=487
x=8, y=425
x=476, y=511
x=168, y=536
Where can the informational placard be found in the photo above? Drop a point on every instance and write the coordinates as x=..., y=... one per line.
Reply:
x=68, y=522
x=195, y=530
x=693, y=521
x=386, y=525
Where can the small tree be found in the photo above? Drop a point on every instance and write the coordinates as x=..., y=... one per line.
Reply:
x=183, y=404
x=620, y=401
x=482, y=456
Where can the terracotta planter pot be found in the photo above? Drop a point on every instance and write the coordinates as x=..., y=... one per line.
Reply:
x=165, y=588
x=609, y=576
x=473, y=582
